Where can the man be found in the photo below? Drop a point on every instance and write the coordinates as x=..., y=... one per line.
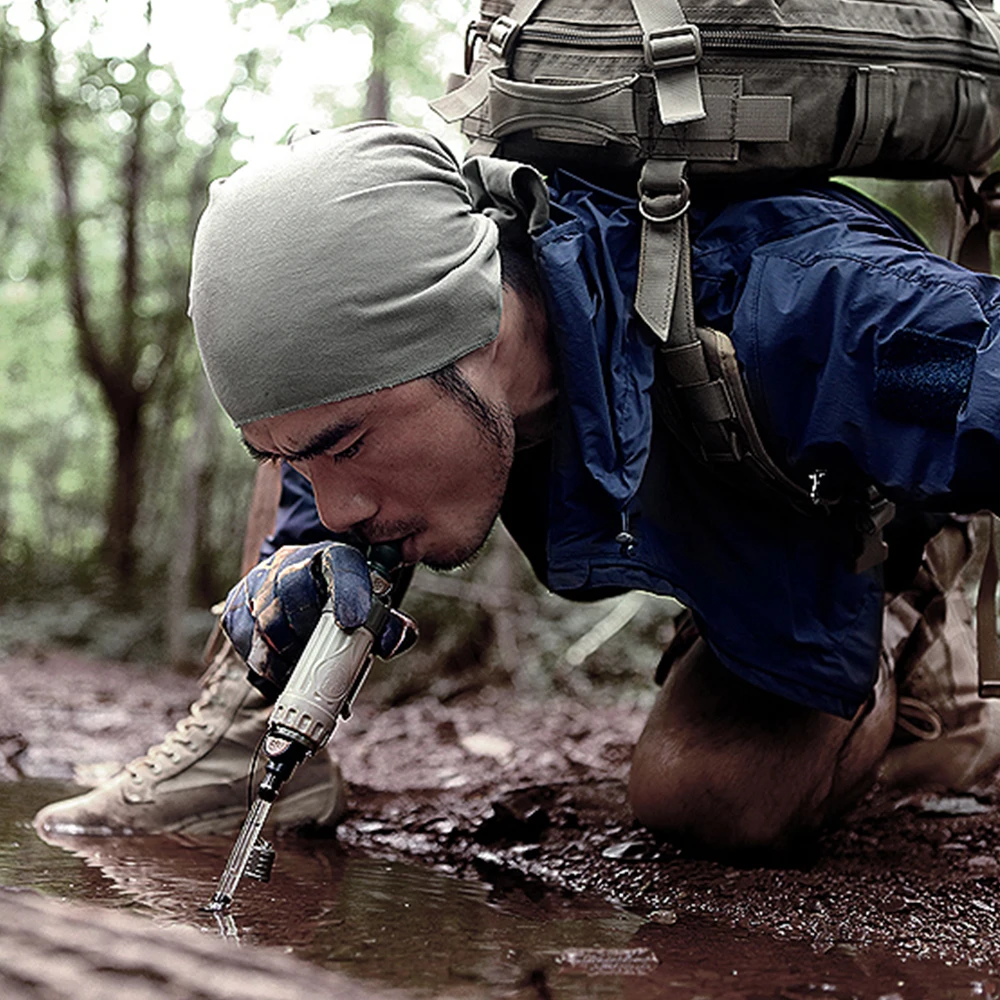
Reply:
x=432, y=346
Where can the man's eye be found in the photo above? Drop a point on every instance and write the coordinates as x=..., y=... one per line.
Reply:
x=349, y=452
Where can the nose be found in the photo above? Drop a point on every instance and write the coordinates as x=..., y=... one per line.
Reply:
x=341, y=504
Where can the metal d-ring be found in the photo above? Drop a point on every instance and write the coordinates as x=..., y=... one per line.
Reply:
x=685, y=195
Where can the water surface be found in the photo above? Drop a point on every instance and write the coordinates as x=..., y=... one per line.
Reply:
x=431, y=933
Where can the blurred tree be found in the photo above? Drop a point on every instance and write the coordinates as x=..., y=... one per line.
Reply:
x=407, y=59
x=129, y=341
x=105, y=162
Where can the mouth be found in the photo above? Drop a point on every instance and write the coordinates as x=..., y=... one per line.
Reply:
x=404, y=534
x=410, y=549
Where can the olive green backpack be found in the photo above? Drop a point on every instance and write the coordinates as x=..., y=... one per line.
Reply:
x=741, y=92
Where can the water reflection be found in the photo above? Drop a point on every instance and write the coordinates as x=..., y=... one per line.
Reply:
x=433, y=934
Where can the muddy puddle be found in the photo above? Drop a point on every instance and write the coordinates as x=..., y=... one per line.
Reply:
x=433, y=934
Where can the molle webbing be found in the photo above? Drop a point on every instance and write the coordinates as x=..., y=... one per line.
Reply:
x=754, y=87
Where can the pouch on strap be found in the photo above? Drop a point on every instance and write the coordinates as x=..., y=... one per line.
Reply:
x=602, y=111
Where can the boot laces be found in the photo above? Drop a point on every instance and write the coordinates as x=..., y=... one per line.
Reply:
x=180, y=738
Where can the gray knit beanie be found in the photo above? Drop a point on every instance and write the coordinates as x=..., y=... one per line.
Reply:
x=351, y=261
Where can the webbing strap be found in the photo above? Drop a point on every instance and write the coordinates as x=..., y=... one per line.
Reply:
x=464, y=99
x=503, y=32
x=988, y=646
x=663, y=296
x=874, y=100
x=673, y=51
x=763, y=118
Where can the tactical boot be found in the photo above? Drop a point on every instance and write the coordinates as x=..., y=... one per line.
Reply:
x=196, y=780
x=947, y=737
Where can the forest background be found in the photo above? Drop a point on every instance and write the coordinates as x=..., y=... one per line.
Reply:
x=123, y=489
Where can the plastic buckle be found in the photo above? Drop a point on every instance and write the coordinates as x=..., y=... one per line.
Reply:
x=471, y=37
x=501, y=35
x=672, y=48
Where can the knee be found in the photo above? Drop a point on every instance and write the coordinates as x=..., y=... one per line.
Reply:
x=709, y=800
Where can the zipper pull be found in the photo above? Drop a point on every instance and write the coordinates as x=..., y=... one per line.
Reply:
x=625, y=538
x=816, y=478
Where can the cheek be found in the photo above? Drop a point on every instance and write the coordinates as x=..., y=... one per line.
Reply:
x=448, y=452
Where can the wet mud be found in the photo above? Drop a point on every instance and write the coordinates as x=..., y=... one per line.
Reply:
x=528, y=798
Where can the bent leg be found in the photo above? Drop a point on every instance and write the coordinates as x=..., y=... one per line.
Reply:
x=733, y=768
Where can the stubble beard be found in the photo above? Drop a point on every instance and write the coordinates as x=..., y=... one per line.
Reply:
x=495, y=425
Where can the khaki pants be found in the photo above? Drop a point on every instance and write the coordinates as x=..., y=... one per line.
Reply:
x=946, y=736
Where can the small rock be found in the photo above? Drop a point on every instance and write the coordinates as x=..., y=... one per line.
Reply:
x=608, y=961
x=519, y=816
x=526, y=852
x=631, y=850
x=984, y=864
x=446, y=731
x=487, y=745
x=369, y=826
x=945, y=805
x=663, y=917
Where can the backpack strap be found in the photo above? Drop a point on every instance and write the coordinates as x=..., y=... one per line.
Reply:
x=664, y=298
x=672, y=48
x=977, y=214
x=987, y=644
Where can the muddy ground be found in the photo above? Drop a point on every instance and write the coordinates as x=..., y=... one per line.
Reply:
x=534, y=794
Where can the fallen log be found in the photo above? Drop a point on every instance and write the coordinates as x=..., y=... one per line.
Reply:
x=50, y=950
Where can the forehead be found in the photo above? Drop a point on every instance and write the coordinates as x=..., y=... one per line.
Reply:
x=301, y=433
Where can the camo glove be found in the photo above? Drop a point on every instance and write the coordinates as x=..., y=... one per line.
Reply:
x=270, y=614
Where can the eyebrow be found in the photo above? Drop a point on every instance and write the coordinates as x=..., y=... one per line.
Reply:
x=319, y=443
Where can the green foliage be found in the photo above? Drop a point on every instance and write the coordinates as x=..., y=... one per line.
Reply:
x=926, y=206
x=111, y=109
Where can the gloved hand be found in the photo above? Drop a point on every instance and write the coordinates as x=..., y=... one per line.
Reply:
x=272, y=611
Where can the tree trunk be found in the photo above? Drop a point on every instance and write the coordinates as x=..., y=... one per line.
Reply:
x=110, y=357
x=57, y=951
x=381, y=22
x=123, y=503
x=377, y=96
x=196, y=458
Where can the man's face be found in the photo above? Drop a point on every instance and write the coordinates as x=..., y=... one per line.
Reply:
x=411, y=464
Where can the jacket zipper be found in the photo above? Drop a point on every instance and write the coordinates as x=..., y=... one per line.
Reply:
x=804, y=44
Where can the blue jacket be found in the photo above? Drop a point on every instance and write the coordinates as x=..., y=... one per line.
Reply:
x=863, y=354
